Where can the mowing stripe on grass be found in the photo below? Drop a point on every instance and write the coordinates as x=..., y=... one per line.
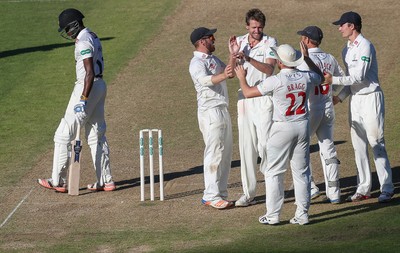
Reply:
x=15, y=209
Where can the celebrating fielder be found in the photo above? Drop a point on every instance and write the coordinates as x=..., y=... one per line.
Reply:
x=322, y=114
x=367, y=108
x=289, y=136
x=254, y=114
x=209, y=76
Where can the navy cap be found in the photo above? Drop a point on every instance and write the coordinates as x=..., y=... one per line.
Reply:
x=312, y=32
x=201, y=32
x=349, y=17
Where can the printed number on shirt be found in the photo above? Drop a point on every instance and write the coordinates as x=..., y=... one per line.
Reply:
x=322, y=89
x=301, y=109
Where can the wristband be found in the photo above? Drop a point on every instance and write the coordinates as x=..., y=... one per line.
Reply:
x=84, y=98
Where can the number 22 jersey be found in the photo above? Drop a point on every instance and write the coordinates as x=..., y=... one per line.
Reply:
x=290, y=89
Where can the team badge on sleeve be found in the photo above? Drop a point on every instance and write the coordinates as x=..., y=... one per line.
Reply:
x=365, y=58
x=86, y=51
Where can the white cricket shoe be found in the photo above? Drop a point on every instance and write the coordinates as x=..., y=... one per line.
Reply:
x=267, y=221
x=300, y=221
x=315, y=193
x=243, y=201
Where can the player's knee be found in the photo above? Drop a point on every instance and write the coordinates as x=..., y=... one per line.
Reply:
x=62, y=135
x=96, y=135
x=332, y=160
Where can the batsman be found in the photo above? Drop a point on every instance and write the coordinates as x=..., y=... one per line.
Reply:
x=85, y=107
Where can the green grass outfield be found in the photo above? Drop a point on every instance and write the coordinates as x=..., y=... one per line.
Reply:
x=36, y=78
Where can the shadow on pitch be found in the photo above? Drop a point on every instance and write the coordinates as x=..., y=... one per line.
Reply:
x=125, y=184
x=43, y=48
x=315, y=147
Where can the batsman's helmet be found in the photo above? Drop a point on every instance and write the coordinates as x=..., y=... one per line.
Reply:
x=69, y=21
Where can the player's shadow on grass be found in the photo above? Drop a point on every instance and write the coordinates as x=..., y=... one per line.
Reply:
x=315, y=147
x=49, y=47
x=125, y=184
x=348, y=186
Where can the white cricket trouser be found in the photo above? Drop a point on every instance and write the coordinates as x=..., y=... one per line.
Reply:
x=95, y=128
x=254, y=123
x=216, y=128
x=367, y=117
x=288, y=142
x=322, y=124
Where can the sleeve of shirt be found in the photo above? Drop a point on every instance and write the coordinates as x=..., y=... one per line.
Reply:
x=199, y=74
x=267, y=86
x=269, y=52
x=337, y=71
x=361, y=65
x=344, y=93
x=85, y=49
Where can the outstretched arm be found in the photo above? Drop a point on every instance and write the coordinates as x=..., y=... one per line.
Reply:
x=248, y=91
x=310, y=63
x=265, y=67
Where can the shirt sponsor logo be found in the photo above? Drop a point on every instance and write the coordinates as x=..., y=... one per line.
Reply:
x=365, y=58
x=321, y=56
x=86, y=51
x=294, y=76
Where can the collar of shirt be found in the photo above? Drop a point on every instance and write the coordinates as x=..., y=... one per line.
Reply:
x=247, y=42
x=356, y=42
x=202, y=55
x=315, y=50
x=85, y=30
x=283, y=71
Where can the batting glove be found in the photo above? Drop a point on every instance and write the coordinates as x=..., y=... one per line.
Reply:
x=80, y=112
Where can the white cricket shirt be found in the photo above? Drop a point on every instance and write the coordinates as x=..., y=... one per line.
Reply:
x=88, y=45
x=201, y=68
x=361, y=65
x=290, y=90
x=259, y=52
x=321, y=95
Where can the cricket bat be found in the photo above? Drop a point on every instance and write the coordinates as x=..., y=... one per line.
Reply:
x=75, y=165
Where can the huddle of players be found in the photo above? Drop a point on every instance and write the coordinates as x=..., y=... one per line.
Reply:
x=277, y=114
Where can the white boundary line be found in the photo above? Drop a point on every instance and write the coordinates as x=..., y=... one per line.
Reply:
x=15, y=209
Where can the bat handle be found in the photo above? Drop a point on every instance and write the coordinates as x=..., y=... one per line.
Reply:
x=78, y=132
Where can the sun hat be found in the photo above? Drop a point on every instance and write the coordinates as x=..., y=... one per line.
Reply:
x=288, y=55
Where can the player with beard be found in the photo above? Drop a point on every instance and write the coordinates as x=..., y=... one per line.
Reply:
x=209, y=76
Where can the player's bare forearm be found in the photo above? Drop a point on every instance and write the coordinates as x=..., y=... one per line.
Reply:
x=248, y=91
x=311, y=65
x=232, y=63
x=335, y=100
x=89, y=76
x=265, y=67
x=314, y=68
